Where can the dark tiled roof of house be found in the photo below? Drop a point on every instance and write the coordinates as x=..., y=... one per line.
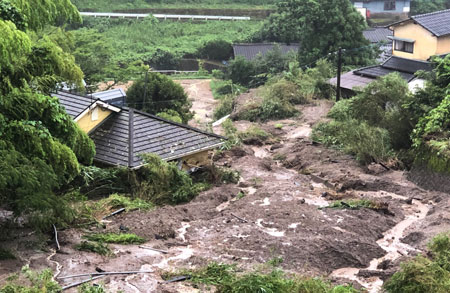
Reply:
x=436, y=22
x=378, y=71
x=406, y=65
x=251, y=50
x=377, y=34
x=124, y=136
x=350, y=80
x=74, y=104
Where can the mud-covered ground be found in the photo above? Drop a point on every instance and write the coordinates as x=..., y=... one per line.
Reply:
x=286, y=184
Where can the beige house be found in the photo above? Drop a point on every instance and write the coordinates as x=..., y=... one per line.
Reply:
x=422, y=36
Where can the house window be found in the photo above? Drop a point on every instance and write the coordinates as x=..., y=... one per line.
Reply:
x=403, y=46
x=389, y=5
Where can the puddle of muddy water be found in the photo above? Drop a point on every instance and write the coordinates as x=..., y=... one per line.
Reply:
x=391, y=243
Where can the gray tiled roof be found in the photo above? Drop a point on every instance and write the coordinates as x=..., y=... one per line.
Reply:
x=406, y=65
x=377, y=34
x=74, y=104
x=378, y=71
x=350, y=80
x=436, y=22
x=251, y=50
x=125, y=135
x=109, y=94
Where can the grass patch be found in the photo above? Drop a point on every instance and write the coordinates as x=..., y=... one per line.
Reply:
x=279, y=125
x=254, y=135
x=226, y=279
x=96, y=247
x=424, y=274
x=122, y=238
x=6, y=254
x=29, y=281
x=355, y=204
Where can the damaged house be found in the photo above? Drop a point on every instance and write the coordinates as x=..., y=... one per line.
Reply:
x=122, y=134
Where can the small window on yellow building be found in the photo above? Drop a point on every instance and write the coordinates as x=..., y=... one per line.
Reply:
x=404, y=46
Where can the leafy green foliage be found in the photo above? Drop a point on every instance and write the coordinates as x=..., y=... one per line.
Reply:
x=366, y=142
x=161, y=182
x=95, y=247
x=423, y=274
x=37, y=282
x=225, y=278
x=303, y=21
x=39, y=13
x=161, y=44
x=354, y=204
x=89, y=288
x=157, y=93
x=40, y=145
x=427, y=6
x=254, y=135
x=122, y=238
x=230, y=134
x=6, y=254
x=216, y=50
x=10, y=12
x=170, y=115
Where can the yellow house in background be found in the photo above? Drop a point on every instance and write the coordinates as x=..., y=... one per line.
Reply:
x=422, y=36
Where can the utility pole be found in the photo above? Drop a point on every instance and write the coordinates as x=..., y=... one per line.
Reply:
x=145, y=90
x=339, y=68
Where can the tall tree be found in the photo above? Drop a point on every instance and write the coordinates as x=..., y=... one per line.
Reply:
x=321, y=27
x=40, y=145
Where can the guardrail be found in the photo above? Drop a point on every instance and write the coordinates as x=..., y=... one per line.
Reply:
x=163, y=16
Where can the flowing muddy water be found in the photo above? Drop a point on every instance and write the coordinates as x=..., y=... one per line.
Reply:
x=391, y=243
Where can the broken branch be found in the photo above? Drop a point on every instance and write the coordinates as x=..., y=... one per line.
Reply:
x=239, y=218
x=79, y=283
x=151, y=248
x=104, y=273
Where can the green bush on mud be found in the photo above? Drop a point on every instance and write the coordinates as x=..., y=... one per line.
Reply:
x=161, y=182
x=96, y=247
x=90, y=288
x=226, y=280
x=254, y=135
x=224, y=108
x=122, y=238
x=6, y=254
x=36, y=282
x=367, y=143
x=425, y=274
x=354, y=204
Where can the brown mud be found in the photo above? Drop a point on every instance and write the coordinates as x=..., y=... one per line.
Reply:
x=287, y=186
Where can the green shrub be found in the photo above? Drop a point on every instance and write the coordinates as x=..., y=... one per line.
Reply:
x=225, y=107
x=276, y=109
x=285, y=90
x=341, y=111
x=6, y=254
x=89, y=288
x=225, y=278
x=119, y=238
x=241, y=71
x=354, y=204
x=216, y=50
x=254, y=135
x=231, y=134
x=164, y=60
x=96, y=247
x=161, y=182
x=37, y=282
x=422, y=274
x=170, y=115
x=367, y=143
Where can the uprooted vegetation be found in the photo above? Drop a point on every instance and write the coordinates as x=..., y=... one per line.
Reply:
x=425, y=274
x=254, y=135
x=228, y=279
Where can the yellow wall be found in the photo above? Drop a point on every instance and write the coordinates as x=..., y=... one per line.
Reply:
x=426, y=44
x=443, y=45
x=93, y=118
x=196, y=160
